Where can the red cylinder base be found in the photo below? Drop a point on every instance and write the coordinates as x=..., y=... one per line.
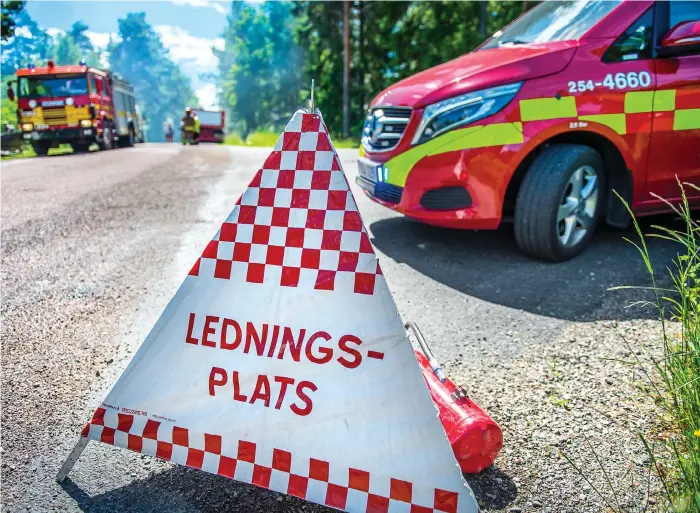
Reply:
x=475, y=438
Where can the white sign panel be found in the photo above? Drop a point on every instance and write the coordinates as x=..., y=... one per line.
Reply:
x=282, y=360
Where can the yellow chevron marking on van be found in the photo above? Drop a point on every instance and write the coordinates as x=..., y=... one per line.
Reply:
x=497, y=134
x=539, y=109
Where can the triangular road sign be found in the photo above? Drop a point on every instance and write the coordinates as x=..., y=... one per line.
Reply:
x=282, y=360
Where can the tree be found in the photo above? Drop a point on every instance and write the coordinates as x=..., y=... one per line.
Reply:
x=66, y=52
x=161, y=87
x=346, y=68
x=260, y=66
x=31, y=44
x=10, y=11
x=80, y=38
x=353, y=50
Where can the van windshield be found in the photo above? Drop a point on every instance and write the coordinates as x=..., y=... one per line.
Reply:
x=553, y=21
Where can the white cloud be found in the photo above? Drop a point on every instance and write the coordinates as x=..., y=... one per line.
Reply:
x=207, y=96
x=55, y=32
x=191, y=53
x=203, y=3
x=100, y=39
x=194, y=55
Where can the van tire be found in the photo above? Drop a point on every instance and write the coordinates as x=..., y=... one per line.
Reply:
x=549, y=222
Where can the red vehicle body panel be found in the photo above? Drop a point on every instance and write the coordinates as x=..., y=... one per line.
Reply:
x=210, y=132
x=653, y=151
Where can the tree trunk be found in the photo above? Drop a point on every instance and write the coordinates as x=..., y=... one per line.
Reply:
x=346, y=69
x=482, y=18
x=525, y=6
x=361, y=48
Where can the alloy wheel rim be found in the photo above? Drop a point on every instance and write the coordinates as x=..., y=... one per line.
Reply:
x=578, y=206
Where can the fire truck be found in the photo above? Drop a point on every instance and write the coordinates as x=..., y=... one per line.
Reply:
x=77, y=105
x=211, y=125
x=544, y=123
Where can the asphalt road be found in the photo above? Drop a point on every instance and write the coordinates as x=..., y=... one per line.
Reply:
x=93, y=247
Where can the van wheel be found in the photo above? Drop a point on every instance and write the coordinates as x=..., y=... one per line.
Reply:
x=559, y=202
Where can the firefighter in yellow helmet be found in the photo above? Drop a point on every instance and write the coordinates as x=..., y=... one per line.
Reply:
x=189, y=125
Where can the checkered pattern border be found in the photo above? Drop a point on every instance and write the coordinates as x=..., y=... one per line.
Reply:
x=297, y=224
x=308, y=478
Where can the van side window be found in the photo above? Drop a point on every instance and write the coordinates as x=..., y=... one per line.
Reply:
x=635, y=42
x=683, y=10
x=93, y=87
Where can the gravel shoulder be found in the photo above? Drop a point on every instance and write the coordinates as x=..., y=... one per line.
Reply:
x=93, y=247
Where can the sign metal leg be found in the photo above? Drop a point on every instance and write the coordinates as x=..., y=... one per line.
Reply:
x=72, y=458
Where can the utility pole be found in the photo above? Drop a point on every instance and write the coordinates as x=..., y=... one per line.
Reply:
x=482, y=18
x=346, y=69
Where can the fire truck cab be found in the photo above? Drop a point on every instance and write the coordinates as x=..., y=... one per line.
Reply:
x=544, y=122
x=75, y=105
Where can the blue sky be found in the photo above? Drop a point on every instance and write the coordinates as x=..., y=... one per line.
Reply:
x=188, y=28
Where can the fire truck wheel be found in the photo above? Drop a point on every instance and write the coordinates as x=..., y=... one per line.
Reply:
x=41, y=148
x=107, y=139
x=128, y=140
x=559, y=202
x=80, y=147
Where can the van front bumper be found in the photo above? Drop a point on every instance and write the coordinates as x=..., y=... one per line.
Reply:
x=460, y=189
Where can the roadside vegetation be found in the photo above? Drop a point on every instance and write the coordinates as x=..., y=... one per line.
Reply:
x=267, y=139
x=28, y=152
x=671, y=372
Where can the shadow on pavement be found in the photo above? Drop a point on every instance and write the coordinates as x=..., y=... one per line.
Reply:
x=184, y=490
x=493, y=488
x=488, y=265
x=180, y=490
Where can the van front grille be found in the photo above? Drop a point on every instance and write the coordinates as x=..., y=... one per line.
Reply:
x=384, y=127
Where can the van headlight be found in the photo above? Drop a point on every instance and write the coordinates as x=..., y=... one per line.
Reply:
x=86, y=123
x=443, y=116
x=27, y=127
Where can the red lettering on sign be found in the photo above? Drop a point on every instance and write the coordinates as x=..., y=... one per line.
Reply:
x=284, y=383
x=189, y=338
x=237, y=396
x=273, y=343
x=282, y=342
x=225, y=325
x=251, y=335
x=357, y=356
x=303, y=412
x=294, y=346
x=209, y=330
x=214, y=382
x=326, y=352
x=262, y=391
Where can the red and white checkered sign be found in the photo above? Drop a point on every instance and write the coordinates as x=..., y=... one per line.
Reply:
x=282, y=361
x=280, y=470
x=297, y=224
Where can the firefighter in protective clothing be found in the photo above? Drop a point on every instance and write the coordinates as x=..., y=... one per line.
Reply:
x=189, y=126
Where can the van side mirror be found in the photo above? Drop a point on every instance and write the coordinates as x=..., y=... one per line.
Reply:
x=683, y=39
x=10, y=92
